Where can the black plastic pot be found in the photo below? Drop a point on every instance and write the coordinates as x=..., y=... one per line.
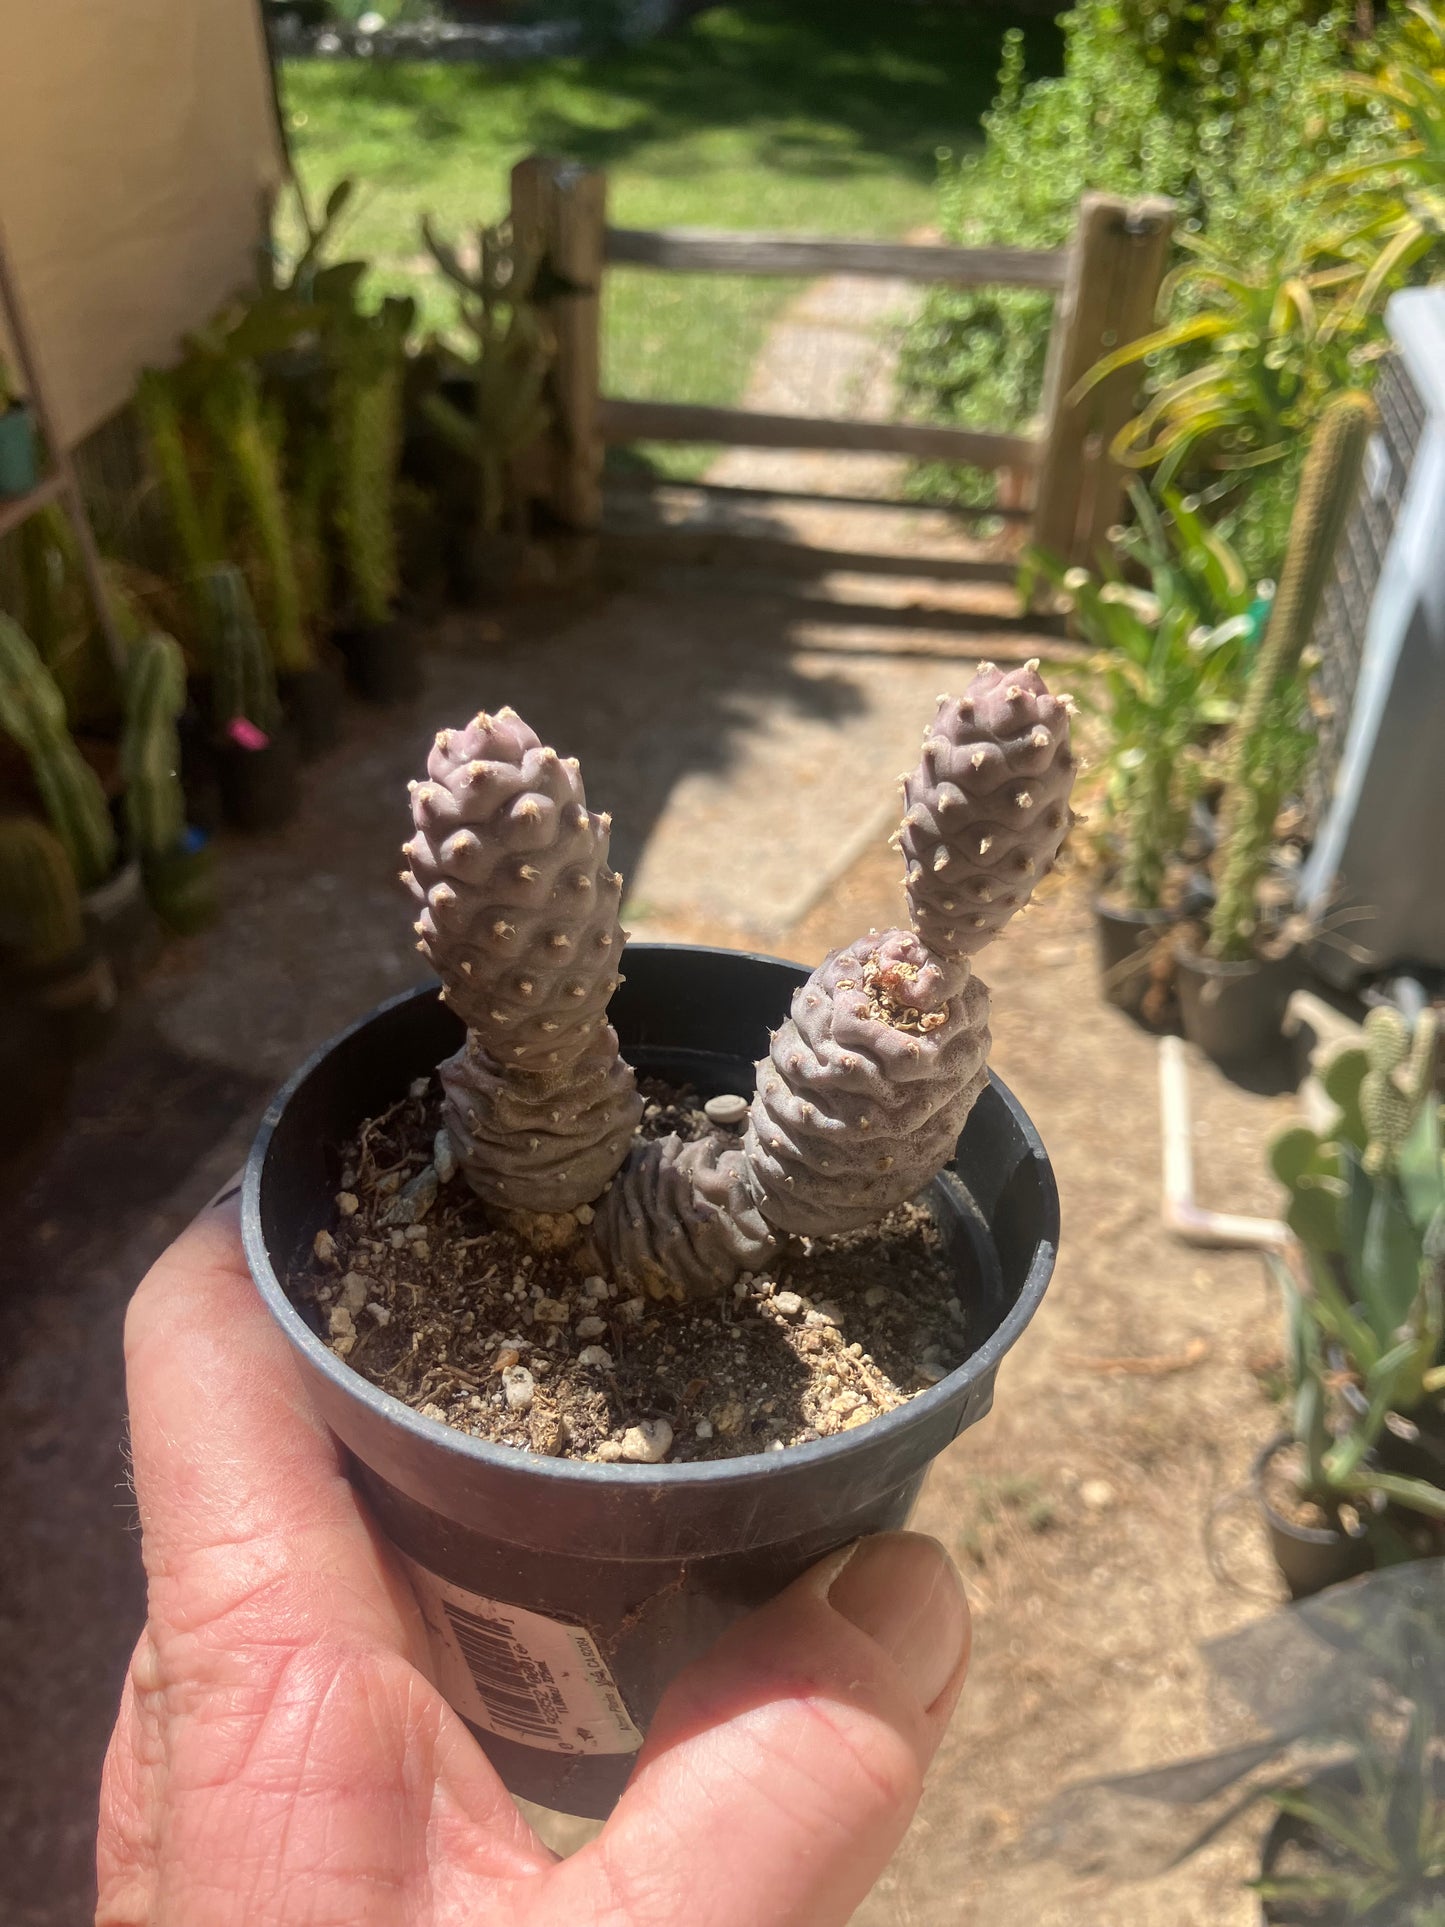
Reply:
x=73, y=1002
x=648, y=1563
x=260, y=788
x=120, y=921
x=313, y=700
x=383, y=663
x=1127, y=939
x=1234, y=1012
x=1309, y=1557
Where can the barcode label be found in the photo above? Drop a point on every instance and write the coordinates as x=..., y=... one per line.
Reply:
x=520, y=1674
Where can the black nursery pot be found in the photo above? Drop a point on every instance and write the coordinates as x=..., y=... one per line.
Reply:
x=313, y=700
x=121, y=923
x=544, y=1578
x=260, y=788
x=1309, y=1557
x=1234, y=1012
x=1126, y=938
x=383, y=663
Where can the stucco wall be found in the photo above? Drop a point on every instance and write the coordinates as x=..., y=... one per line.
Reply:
x=137, y=138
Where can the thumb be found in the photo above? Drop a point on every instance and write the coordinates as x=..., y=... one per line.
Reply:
x=782, y=1770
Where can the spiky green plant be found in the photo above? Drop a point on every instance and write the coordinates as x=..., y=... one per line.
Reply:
x=150, y=750
x=32, y=712
x=250, y=433
x=368, y=360
x=508, y=371
x=41, y=923
x=1268, y=745
x=160, y=407
x=243, y=677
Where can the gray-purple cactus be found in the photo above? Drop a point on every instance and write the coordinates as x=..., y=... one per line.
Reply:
x=987, y=808
x=519, y=917
x=868, y=1083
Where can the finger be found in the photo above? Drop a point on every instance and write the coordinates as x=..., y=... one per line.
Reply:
x=782, y=1770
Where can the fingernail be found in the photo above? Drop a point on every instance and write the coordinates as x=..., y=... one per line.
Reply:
x=903, y=1591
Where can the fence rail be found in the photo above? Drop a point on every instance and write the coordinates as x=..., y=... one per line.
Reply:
x=1106, y=283
x=704, y=251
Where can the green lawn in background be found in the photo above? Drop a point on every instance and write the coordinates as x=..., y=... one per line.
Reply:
x=801, y=115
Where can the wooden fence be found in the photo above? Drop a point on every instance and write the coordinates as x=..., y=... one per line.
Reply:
x=1106, y=283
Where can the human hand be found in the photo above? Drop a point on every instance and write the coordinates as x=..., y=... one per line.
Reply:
x=281, y=1758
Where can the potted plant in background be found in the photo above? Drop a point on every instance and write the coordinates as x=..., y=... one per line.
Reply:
x=176, y=860
x=19, y=462
x=255, y=753
x=1366, y=1317
x=1167, y=678
x=49, y=963
x=32, y=713
x=609, y=1498
x=1232, y=991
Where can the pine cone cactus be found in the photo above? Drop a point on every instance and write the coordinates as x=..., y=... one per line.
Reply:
x=867, y=1086
x=681, y=1218
x=987, y=807
x=520, y=919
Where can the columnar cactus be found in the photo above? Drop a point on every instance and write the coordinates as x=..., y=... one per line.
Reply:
x=159, y=409
x=366, y=429
x=861, y=1099
x=150, y=751
x=1255, y=781
x=520, y=917
x=32, y=711
x=251, y=435
x=40, y=915
x=243, y=679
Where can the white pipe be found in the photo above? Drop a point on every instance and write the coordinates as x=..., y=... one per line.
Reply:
x=1223, y=1230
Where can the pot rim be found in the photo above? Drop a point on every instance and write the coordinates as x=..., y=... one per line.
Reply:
x=1103, y=905
x=123, y=882
x=1308, y=1535
x=712, y=1472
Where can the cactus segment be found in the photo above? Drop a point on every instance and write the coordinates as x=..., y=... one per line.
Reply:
x=862, y=1097
x=243, y=679
x=987, y=808
x=681, y=1219
x=32, y=711
x=40, y=914
x=519, y=917
x=150, y=750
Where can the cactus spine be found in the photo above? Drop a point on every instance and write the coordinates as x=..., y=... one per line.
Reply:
x=366, y=426
x=32, y=711
x=1253, y=789
x=243, y=679
x=150, y=750
x=40, y=914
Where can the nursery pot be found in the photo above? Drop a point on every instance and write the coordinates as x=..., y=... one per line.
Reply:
x=119, y=918
x=1309, y=1557
x=1126, y=938
x=611, y=1578
x=260, y=788
x=313, y=699
x=383, y=663
x=181, y=885
x=19, y=468
x=1233, y=1012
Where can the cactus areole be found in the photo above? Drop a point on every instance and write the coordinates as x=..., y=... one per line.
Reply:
x=861, y=1099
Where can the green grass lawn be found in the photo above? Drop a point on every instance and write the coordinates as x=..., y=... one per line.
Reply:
x=820, y=116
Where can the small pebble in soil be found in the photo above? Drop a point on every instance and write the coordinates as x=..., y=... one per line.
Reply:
x=704, y=1428
x=648, y=1443
x=584, y=1214
x=343, y=1330
x=419, y=1087
x=609, y=1451
x=727, y=1109
x=347, y=1203
x=354, y=1289
x=788, y=1303
x=324, y=1246
x=595, y=1287
x=590, y=1327
x=597, y=1356
x=380, y=1313
x=518, y=1388
x=443, y=1156
x=930, y=1371
x=414, y=1200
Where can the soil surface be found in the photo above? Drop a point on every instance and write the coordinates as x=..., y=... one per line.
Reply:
x=459, y=1318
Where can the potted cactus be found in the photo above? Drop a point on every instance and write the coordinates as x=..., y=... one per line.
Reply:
x=19, y=463
x=1367, y=1316
x=49, y=962
x=650, y=1503
x=32, y=713
x=252, y=746
x=1232, y=992
x=488, y=410
x=175, y=859
x=1170, y=668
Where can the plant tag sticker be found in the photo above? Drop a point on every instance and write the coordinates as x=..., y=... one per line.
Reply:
x=520, y=1674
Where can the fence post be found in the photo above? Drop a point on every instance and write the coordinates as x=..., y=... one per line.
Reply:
x=561, y=209
x=1116, y=265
